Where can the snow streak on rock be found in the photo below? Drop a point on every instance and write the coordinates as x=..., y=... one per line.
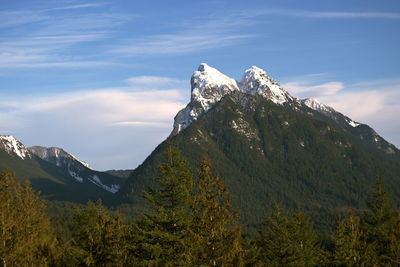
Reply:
x=14, y=147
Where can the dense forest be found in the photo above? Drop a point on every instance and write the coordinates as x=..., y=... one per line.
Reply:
x=189, y=220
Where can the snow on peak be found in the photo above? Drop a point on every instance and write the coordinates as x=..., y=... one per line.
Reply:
x=209, y=85
x=12, y=146
x=257, y=81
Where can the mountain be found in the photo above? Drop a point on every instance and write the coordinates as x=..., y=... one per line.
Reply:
x=267, y=145
x=79, y=170
x=56, y=173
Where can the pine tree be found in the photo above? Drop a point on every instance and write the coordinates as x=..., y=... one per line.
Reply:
x=351, y=248
x=99, y=239
x=288, y=240
x=381, y=227
x=162, y=237
x=218, y=236
x=26, y=237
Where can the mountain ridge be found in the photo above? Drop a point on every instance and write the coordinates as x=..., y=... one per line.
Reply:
x=209, y=85
x=267, y=145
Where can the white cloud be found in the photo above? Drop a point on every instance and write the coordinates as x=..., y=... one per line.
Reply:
x=155, y=82
x=46, y=38
x=76, y=6
x=304, y=88
x=142, y=123
x=206, y=33
x=326, y=14
x=179, y=43
x=99, y=126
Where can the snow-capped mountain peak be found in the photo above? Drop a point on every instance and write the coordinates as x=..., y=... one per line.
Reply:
x=12, y=146
x=209, y=85
x=257, y=81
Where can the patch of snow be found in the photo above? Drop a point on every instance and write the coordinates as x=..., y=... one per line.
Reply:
x=243, y=127
x=352, y=123
x=75, y=176
x=13, y=146
x=317, y=106
x=114, y=188
x=390, y=150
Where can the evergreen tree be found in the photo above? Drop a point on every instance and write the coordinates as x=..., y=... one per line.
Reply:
x=288, y=240
x=382, y=227
x=351, y=248
x=99, y=239
x=218, y=238
x=26, y=237
x=162, y=237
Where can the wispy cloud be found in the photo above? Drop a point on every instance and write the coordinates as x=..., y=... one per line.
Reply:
x=143, y=124
x=326, y=14
x=303, y=88
x=155, y=82
x=46, y=36
x=208, y=33
x=75, y=6
x=19, y=17
x=179, y=43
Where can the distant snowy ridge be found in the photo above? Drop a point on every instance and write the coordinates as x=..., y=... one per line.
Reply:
x=77, y=169
x=209, y=86
x=59, y=155
x=71, y=168
x=14, y=147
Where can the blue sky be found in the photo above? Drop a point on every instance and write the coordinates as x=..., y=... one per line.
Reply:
x=104, y=79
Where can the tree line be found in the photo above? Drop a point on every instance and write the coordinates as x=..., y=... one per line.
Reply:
x=189, y=221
